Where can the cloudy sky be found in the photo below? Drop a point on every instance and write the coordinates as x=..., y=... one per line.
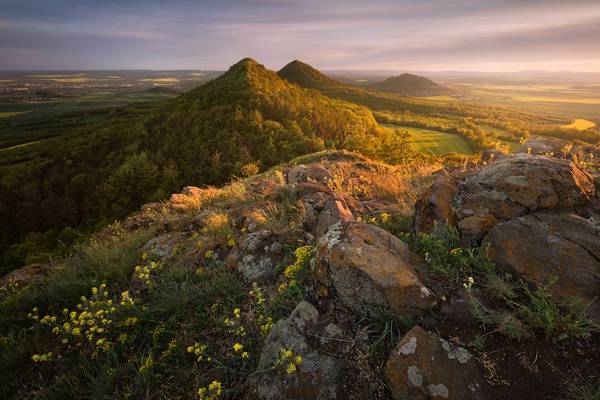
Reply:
x=486, y=35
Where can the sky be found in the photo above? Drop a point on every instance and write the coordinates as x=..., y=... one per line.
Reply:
x=424, y=35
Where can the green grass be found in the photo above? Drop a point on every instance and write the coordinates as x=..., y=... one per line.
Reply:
x=520, y=311
x=438, y=143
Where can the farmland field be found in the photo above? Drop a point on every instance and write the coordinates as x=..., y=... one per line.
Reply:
x=574, y=101
x=438, y=143
x=580, y=124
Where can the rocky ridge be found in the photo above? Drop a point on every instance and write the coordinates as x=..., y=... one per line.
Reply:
x=537, y=217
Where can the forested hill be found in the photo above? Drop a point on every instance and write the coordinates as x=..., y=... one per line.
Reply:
x=247, y=119
x=306, y=76
x=410, y=85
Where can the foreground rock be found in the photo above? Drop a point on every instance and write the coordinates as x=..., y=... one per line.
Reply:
x=19, y=278
x=317, y=376
x=522, y=184
x=256, y=255
x=165, y=245
x=544, y=245
x=365, y=266
x=436, y=205
x=538, y=216
x=425, y=366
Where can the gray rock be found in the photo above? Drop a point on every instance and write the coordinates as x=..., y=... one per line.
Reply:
x=164, y=246
x=365, y=266
x=319, y=375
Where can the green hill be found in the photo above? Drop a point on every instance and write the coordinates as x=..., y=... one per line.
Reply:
x=410, y=85
x=98, y=169
x=306, y=76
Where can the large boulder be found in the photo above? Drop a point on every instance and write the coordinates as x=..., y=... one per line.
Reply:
x=543, y=245
x=365, y=266
x=424, y=366
x=319, y=374
x=436, y=205
x=522, y=184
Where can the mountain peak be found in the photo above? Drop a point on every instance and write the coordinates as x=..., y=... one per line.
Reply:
x=304, y=75
x=246, y=65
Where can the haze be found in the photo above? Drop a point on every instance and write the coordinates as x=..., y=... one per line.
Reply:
x=416, y=35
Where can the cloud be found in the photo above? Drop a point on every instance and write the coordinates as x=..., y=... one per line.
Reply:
x=333, y=34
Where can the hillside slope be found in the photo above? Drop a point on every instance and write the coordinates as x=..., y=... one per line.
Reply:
x=306, y=76
x=410, y=85
x=332, y=276
x=95, y=172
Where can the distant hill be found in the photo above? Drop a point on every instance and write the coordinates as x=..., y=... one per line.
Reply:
x=98, y=169
x=411, y=85
x=306, y=76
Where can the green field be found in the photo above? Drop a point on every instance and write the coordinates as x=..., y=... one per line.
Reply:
x=438, y=143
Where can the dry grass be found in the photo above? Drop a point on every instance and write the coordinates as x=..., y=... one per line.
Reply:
x=401, y=184
x=217, y=231
x=224, y=197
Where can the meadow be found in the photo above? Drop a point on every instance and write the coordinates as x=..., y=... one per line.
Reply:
x=432, y=142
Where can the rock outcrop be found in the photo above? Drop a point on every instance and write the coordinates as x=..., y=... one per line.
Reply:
x=256, y=255
x=544, y=245
x=436, y=205
x=318, y=375
x=424, y=366
x=537, y=216
x=365, y=266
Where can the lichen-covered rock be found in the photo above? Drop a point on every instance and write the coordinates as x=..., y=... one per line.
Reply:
x=308, y=173
x=543, y=245
x=365, y=266
x=435, y=206
x=255, y=255
x=165, y=245
x=335, y=209
x=318, y=376
x=423, y=366
x=521, y=184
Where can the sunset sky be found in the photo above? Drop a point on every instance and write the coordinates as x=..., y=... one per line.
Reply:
x=396, y=35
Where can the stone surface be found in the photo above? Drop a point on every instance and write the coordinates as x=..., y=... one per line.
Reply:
x=255, y=256
x=334, y=210
x=425, y=366
x=521, y=184
x=436, y=205
x=475, y=227
x=165, y=245
x=19, y=278
x=319, y=376
x=545, y=244
x=365, y=266
x=308, y=173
